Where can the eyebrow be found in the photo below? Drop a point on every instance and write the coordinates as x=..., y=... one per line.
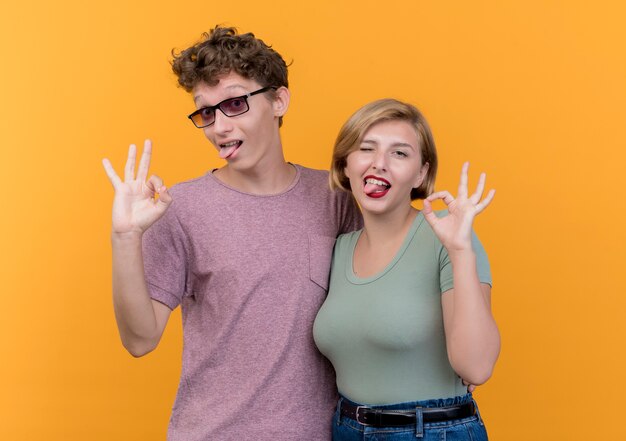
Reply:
x=233, y=86
x=395, y=144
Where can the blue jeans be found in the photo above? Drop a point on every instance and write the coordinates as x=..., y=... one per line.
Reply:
x=471, y=428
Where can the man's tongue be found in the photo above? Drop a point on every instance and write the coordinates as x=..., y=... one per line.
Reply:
x=374, y=188
x=225, y=152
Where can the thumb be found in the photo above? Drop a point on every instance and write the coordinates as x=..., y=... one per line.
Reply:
x=165, y=199
x=428, y=212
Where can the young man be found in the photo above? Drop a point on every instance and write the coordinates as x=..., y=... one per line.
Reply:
x=244, y=250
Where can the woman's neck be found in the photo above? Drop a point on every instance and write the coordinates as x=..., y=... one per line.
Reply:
x=380, y=241
x=380, y=229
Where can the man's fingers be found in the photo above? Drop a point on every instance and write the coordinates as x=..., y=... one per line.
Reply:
x=144, y=163
x=113, y=177
x=152, y=186
x=129, y=169
x=164, y=196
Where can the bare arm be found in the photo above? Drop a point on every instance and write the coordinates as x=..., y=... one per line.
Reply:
x=472, y=336
x=136, y=206
x=140, y=320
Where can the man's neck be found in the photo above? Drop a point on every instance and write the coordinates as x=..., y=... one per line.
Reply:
x=267, y=179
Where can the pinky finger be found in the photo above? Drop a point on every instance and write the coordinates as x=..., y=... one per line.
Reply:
x=113, y=177
x=485, y=202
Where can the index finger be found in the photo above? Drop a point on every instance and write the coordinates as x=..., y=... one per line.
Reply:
x=144, y=163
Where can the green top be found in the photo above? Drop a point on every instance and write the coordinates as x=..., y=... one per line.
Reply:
x=384, y=334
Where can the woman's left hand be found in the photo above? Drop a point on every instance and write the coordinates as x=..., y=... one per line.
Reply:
x=470, y=387
x=455, y=229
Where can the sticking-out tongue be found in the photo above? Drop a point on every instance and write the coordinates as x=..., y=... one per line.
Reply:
x=225, y=152
x=374, y=188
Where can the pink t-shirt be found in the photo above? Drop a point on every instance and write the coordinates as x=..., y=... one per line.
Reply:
x=250, y=273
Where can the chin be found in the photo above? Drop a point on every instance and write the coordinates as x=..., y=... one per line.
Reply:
x=368, y=207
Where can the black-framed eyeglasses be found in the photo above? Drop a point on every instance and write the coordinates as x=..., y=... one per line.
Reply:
x=230, y=107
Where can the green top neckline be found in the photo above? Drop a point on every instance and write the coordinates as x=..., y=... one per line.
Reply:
x=353, y=278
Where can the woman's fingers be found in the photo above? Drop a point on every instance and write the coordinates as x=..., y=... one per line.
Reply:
x=445, y=195
x=478, y=194
x=463, y=183
x=485, y=202
x=470, y=387
x=144, y=163
x=113, y=177
x=428, y=212
x=129, y=169
x=475, y=198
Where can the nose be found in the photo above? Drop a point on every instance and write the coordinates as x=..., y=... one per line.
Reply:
x=379, y=161
x=222, y=124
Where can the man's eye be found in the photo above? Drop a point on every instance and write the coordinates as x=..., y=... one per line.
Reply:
x=206, y=113
x=234, y=105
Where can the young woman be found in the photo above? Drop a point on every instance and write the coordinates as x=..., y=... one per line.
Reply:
x=408, y=310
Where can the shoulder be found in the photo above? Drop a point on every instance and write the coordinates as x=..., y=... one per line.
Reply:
x=317, y=181
x=314, y=187
x=194, y=193
x=190, y=199
x=191, y=186
x=313, y=177
x=345, y=240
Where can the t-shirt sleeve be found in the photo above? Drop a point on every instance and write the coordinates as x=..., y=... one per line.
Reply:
x=446, y=280
x=349, y=214
x=165, y=256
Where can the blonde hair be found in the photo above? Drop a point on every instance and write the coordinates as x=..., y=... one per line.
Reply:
x=352, y=132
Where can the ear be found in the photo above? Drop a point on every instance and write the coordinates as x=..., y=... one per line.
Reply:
x=421, y=175
x=345, y=168
x=281, y=101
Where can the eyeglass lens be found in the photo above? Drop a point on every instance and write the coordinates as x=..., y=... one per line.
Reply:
x=230, y=107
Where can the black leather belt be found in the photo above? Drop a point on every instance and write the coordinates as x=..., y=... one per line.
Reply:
x=391, y=418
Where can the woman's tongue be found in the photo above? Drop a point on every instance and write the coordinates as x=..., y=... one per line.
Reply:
x=374, y=188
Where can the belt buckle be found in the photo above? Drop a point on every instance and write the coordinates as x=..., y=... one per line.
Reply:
x=356, y=416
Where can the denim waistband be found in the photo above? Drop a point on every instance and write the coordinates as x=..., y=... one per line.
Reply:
x=420, y=428
x=410, y=405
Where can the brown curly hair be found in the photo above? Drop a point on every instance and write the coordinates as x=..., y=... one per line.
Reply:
x=223, y=50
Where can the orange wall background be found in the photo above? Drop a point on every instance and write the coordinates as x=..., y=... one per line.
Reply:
x=533, y=92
